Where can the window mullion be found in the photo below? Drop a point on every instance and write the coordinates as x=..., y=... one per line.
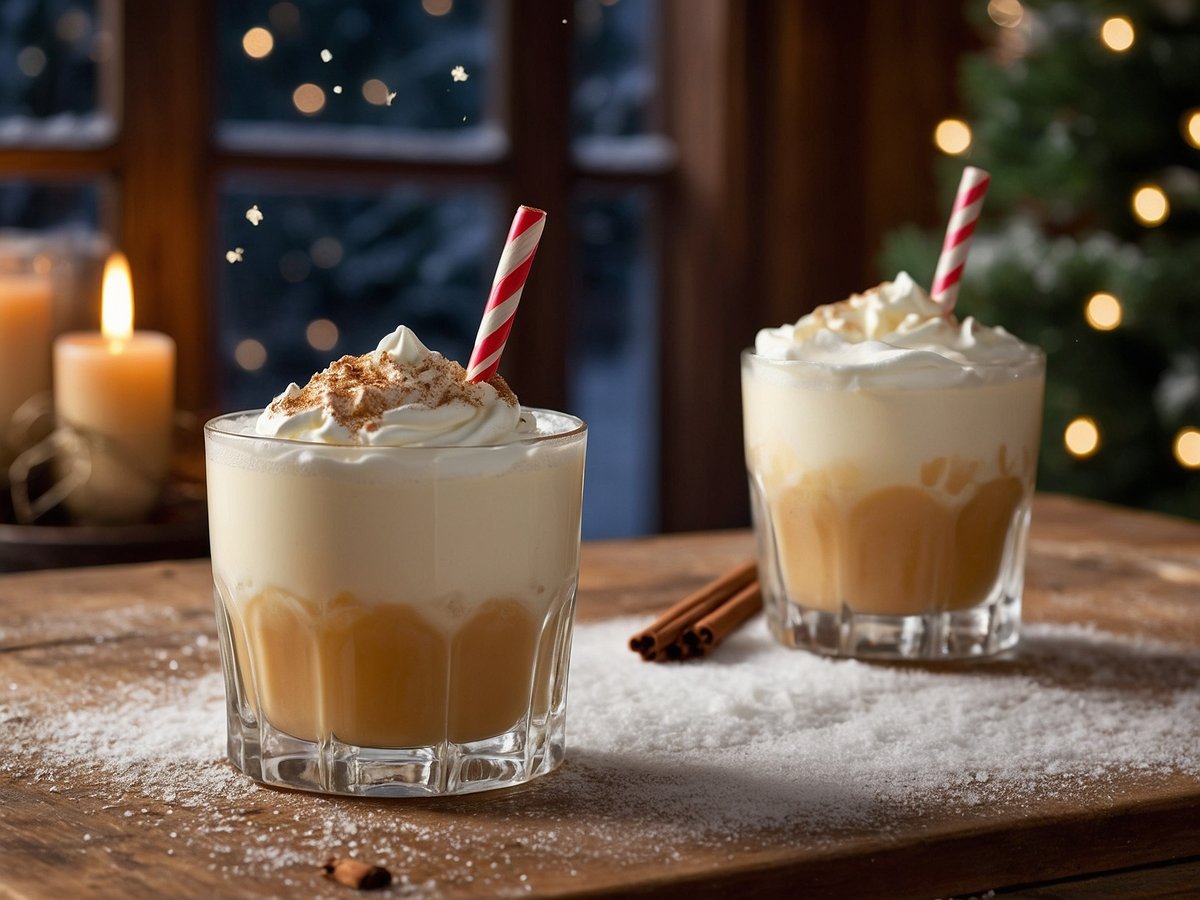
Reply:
x=166, y=200
x=537, y=59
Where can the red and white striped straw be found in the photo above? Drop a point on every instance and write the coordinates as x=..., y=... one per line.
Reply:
x=967, y=204
x=501, y=307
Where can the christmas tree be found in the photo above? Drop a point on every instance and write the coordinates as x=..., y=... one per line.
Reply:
x=1087, y=116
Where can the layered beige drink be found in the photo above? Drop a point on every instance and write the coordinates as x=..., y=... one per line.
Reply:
x=891, y=451
x=395, y=551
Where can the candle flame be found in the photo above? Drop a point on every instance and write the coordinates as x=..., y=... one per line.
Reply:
x=116, y=299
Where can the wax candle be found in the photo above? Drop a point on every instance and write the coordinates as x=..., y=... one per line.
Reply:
x=115, y=390
x=26, y=317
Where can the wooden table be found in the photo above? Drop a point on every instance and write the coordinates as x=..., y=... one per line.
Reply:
x=73, y=638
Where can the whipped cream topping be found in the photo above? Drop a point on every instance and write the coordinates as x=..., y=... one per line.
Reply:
x=400, y=395
x=893, y=327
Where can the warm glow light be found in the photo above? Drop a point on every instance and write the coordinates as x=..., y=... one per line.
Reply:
x=31, y=61
x=1191, y=127
x=72, y=26
x=116, y=299
x=285, y=16
x=102, y=47
x=250, y=354
x=437, y=7
x=294, y=266
x=258, y=42
x=326, y=252
x=1103, y=312
x=321, y=334
x=309, y=99
x=1006, y=13
x=1150, y=205
x=1082, y=437
x=952, y=136
x=1187, y=448
x=1117, y=33
x=375, y=91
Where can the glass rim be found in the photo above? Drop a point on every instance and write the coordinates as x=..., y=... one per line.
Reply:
x=216, y=424
x=1036, y=358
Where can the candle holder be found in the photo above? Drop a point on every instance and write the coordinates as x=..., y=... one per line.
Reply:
x=55, y=462
x=48, y=281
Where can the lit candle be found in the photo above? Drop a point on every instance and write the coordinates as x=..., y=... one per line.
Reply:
x=116, y=390
x=26, y=318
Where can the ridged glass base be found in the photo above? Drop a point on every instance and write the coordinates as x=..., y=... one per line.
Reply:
x=981, y=631
x=930, y=635
x=534, y=746
x=272, y=757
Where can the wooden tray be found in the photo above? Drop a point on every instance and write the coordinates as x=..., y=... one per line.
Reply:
x=178, y=530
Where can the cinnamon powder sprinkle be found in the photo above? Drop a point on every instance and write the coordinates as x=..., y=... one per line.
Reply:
x=358, y=390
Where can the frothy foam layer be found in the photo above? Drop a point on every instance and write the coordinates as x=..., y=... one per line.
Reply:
x=401, y=395
x=434, y=527
x=896, y=330
x=234, y=441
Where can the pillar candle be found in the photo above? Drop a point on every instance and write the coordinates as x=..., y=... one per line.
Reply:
x=26, y=319
x=116, y=391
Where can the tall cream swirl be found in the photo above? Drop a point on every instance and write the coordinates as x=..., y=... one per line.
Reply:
x=896, y=328
x=400, y=395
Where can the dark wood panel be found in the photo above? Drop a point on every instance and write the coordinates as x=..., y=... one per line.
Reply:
x=711, y=280
x=853, y=91
x=814, y=154
x=911, y=84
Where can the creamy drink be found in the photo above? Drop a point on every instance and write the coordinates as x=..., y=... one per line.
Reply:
x=395, y=551
x=891, y=451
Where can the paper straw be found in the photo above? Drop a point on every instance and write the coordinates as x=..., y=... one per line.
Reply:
x=507, y=286
x=967, y=204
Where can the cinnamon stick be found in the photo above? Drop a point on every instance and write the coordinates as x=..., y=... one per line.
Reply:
x=662, y=640
x=356, y=874
x=709, y=631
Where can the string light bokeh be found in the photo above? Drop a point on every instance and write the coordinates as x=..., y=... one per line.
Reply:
x=1187, y=448
x=952, y=136
x=1082, y=437
x=1117, y=33
x=1150, y=205
x=258, y=43
x=1103, y=311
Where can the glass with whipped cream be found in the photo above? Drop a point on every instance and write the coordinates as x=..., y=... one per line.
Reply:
x=395, y=553
x=891, y=452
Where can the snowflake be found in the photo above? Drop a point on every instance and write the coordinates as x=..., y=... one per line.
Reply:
x=234, y=255
x=326, y=56
x=337, y=88
x=254, y=215
x=390, y=97
x=458, y=73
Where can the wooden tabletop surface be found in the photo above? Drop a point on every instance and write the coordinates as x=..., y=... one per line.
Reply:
x=77, y=647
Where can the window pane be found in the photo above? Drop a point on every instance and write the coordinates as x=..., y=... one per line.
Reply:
x=615, y=84
x=614, y=356
x=41, y=205
x=51, y=53
x=339, y=71
x=324, y=275
x=52, y=228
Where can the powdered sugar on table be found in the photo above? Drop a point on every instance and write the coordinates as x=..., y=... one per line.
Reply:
x=755, y=737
